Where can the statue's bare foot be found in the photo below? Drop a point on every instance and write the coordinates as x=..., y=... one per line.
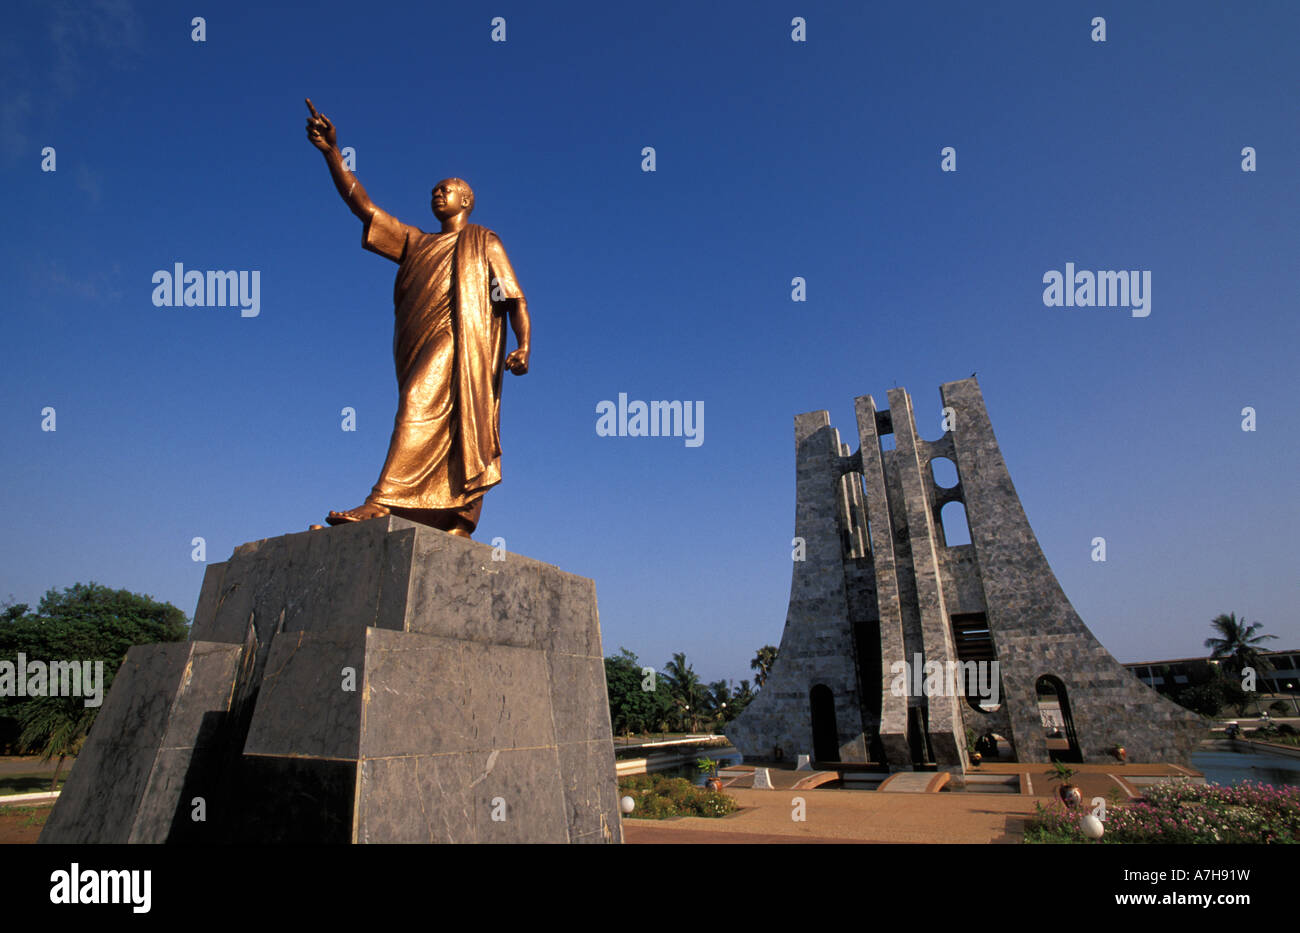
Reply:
x=359, y=514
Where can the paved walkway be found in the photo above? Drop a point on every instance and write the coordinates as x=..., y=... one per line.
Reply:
x=14, y=800
x=32, y=764
x=840, y=816
x=1093, y=780
x=1034, y=779
x=917, y=810
x=914, y=782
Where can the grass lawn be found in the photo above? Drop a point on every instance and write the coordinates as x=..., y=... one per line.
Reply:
x=1281, y=738
x=29, y=783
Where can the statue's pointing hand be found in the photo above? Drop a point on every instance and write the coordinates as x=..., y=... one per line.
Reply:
x=320, y=131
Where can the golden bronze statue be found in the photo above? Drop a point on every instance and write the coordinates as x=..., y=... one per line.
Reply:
x=452, y=293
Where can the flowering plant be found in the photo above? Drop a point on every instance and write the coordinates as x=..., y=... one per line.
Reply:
x=1181, y=812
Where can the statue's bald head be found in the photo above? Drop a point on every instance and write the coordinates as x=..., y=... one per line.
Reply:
x=460, y=184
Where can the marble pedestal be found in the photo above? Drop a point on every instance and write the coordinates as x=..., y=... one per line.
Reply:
x=375, y=682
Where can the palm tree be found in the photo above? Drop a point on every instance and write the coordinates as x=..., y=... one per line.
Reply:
x=741, y=699
x=54, y=726
x=720, y=702
x=686, y=690
x=762, y=663
x=1240, y=645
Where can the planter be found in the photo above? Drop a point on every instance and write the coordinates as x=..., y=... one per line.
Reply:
x=1070, y=795
x=714, y=784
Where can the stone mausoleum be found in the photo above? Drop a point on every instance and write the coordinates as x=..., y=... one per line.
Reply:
x=885, y=616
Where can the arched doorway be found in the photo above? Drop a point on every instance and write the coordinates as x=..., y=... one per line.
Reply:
x=826, y=734
x=1058, y=724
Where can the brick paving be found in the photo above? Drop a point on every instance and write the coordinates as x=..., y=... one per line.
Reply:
x=842, y=816
x=924, y=815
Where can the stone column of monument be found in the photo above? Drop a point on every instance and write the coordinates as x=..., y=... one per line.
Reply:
x=1036, y=631
x=818, y=648
x=888, y=596
x=916, y=522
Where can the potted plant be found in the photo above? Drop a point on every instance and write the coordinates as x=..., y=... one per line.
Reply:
x=1120, y=753
x=987, y=745
x=1070, y=795
x=710, y=768
x=975, y=757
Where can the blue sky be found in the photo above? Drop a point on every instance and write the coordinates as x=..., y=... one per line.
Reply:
x=775, y=159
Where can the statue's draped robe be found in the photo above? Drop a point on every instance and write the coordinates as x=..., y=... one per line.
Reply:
x=449, y=347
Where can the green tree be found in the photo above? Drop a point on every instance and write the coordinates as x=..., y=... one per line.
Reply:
x=86, y=622
x=1208, y=691
x=632, y=708
x=725, y=701
x=762, y=663
x=53, y=726
x=741, y=698
x=687, y=691
x=718, y=701
x=1238, y=644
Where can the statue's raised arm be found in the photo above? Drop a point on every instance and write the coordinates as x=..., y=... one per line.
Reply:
x=322, y=135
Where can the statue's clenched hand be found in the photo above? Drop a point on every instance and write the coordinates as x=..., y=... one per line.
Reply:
x=517, y=362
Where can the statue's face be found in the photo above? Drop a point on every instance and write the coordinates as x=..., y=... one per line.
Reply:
x=448, y=200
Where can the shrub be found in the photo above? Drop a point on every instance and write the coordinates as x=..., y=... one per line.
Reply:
x=659, y=797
